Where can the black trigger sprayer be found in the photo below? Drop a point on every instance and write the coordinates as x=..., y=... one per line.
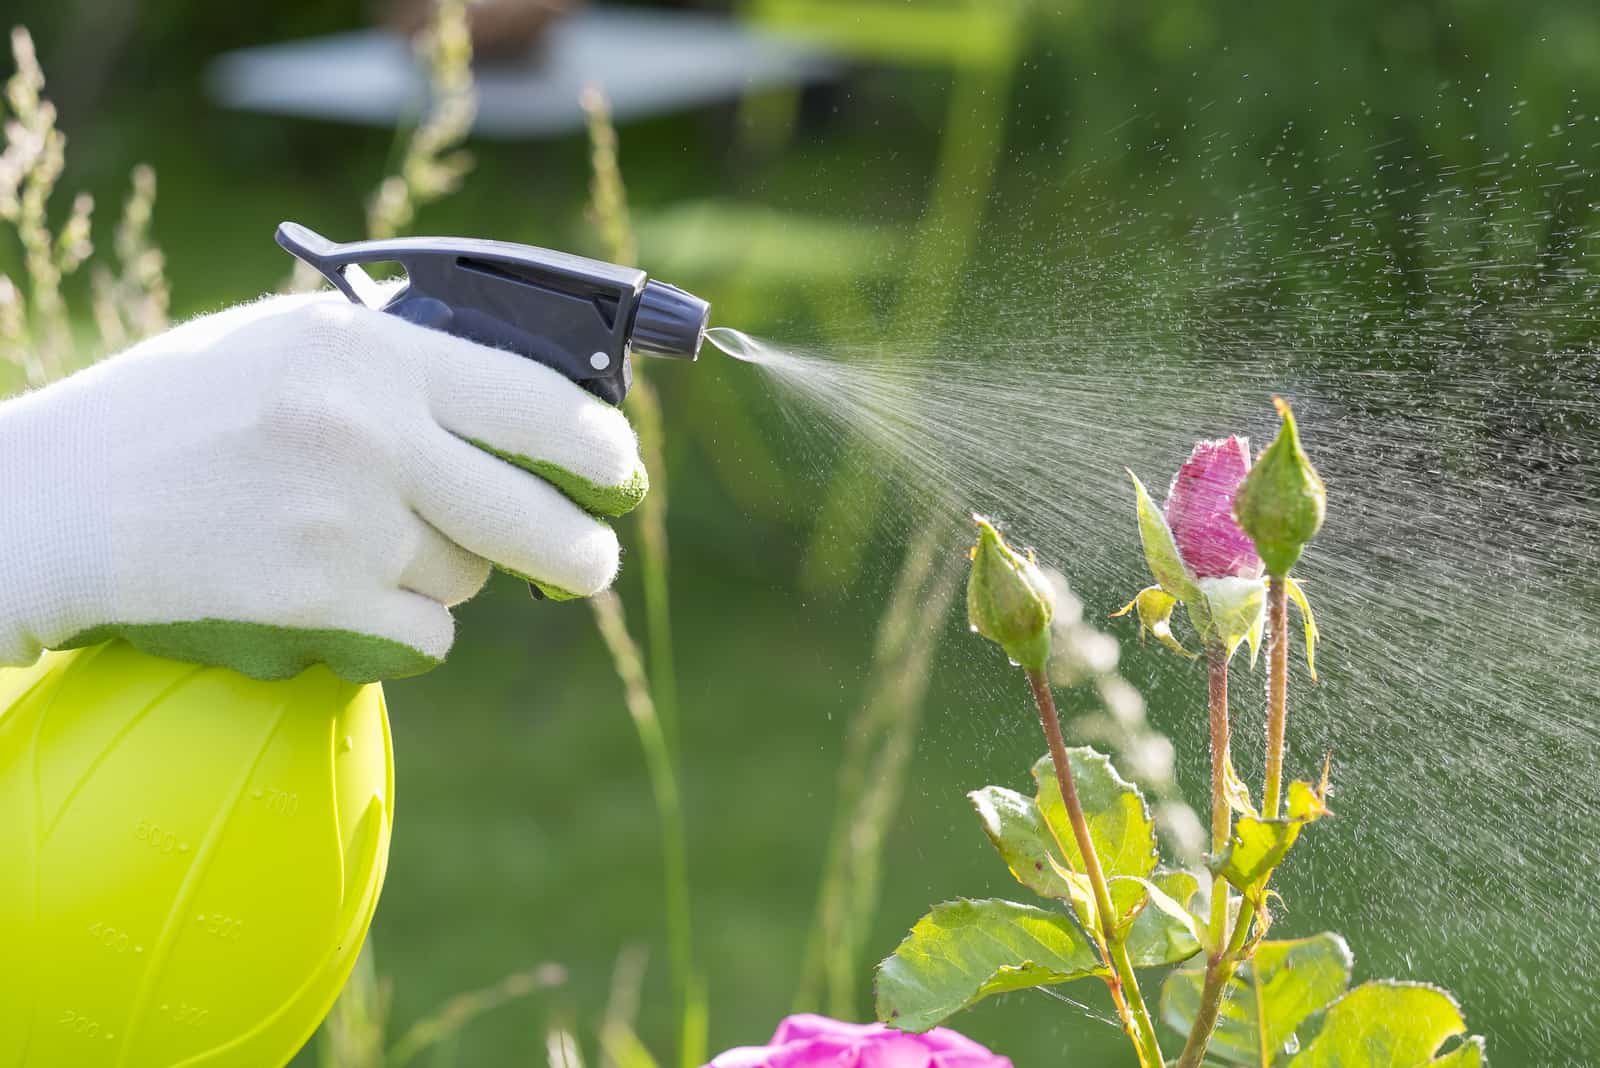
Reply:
x=581, y=317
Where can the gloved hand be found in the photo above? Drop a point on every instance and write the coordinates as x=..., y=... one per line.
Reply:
x=299, y=480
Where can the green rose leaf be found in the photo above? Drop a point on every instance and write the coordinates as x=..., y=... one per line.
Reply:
x=1013, y=823
x=1160, y=550
x=1161, y=929
x=1390, y=1024
x=964, y=951
x=1119, y=823
x=1270, y=996
x=1259, y=845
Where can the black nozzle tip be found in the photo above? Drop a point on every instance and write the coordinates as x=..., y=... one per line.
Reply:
x=669, y=322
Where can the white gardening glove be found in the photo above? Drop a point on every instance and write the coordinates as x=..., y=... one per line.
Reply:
x=299, y=480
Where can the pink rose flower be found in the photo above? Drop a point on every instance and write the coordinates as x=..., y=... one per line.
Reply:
x=807, y=1041
x=1200, y=511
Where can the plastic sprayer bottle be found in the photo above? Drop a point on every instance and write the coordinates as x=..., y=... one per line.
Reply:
x=189, y=858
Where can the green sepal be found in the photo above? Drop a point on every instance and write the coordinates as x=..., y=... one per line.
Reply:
x=1160, y=549
x=1155, y=606
x=1235, y=609
x=1269, y=997
x=964, y=951
x=1298, y=596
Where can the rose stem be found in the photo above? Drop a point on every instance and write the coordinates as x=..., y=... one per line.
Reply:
x=1220, y=965
x=1220, y=971
x=1124, y=985
x=1221, y=814
x=1277, y=691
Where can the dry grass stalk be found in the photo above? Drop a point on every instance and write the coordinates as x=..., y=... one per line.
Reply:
x=132, y=302
x=873, y=773
x=433, y=164
x=34, y=323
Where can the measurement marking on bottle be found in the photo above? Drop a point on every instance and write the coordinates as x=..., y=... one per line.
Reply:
x=79, y=1024
x=185, y=1014
x=113, y=938
x=220, y=925
x=159, y=838
x=279, y=802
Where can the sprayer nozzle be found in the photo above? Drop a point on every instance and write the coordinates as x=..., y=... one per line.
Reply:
x=669, y=323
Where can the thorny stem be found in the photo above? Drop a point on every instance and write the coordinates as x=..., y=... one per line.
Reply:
x=1124, y=984
x=1225, y=962
x=1222, y=964
x=1221, y=814
x=1277, y=691
x=1219, y=971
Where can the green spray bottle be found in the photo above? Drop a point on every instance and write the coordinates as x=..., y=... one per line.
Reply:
x=189, y=858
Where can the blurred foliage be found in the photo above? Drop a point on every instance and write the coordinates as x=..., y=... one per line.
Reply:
x=526, y=831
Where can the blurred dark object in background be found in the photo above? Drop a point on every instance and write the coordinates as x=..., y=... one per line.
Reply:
x=500, y=28
x=648, y=62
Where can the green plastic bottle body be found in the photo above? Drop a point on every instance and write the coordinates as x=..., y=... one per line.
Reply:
x=189, y=859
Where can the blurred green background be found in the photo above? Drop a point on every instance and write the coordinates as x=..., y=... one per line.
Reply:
x=525, y=830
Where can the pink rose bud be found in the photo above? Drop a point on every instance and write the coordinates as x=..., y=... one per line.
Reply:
x=1200, y=511
x=807, y=1041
